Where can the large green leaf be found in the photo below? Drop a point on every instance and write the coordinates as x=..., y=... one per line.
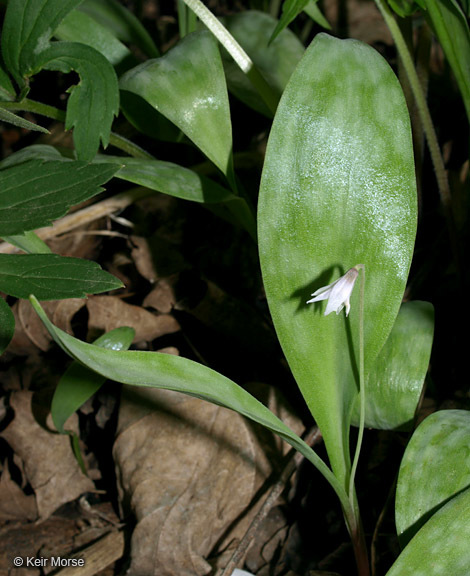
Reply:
x=435, y=467
x=275, y=61
x=395, y=381
x=157, y=370
x=27, y=29
x=52, y=277
x=441, y=546
x=93, y=102
x=451, y=28
x=7, y=325
x=78, y=383
x=35, y=193
x=187, y=85
x=338, y=189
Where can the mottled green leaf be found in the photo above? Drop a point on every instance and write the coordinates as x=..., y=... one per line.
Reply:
x=78, y=383
x=441, y=546
x=35, y=193
x=52, y=277
x=395, y=381
x=188, y=87
x=338, y=189
x=7, y=325
x=435, y=467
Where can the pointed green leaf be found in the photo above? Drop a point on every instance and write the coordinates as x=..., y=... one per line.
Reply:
x=275, y=61
x=395, y=381
x=35, y=193
x=52, y=277
x=441, y=546
x=157, y=370
x=93, y=102
x=7, y=116
x=27, y=29
x=187, y=85
x=338, y=189
x=7, y=325
x=435, y=467
x=29, y=242
x=78, y=384
x=290, y=10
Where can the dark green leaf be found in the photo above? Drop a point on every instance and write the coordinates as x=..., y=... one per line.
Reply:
x=7, y=116
x=275, y=61
x=338, y=189
x=312, y=10
x=7, y=325
x=395, y=381
x=27, y=29
x=404, y=8
x=7, y=92
x=35, y=193
x=187, y=85
x=290, y=10
x=79, y=383
x=435, y=467
x=441, y=546
x=93, y=102
x=52, y=277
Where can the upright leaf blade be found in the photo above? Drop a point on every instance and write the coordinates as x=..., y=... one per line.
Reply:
x=435, y=467
x=187, y=85
x=337, y=189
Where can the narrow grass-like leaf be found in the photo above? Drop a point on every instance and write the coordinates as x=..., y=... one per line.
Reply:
x=187, y=85
x=435, y=467
x=35, y=193
x=338, y=189
x=157, y=370
x=27, y=29
x=290, y=10
x=396, y=379
x=29, y=242
x=52, y=277
x=93, y=102
x=451, y=28
x=441, y=546
x=7, y=325
x=312, y=10
x=125, y=25
x=78, y=383
x=7, y=116
x=275, y=61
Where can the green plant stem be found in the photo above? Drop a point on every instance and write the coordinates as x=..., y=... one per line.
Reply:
x=53, y=113
x=428, y=126
x=236, y=52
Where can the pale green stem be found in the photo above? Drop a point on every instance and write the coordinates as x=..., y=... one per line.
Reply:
x=428, y=126
x=236, y=52
x=362, y=392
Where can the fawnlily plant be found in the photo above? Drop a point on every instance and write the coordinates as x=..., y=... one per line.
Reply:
x=338, y=187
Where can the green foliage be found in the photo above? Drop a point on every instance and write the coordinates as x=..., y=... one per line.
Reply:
x=52, y=277
x=39, y=192
x=10, y=118
x=338, y=189
x=7, y=325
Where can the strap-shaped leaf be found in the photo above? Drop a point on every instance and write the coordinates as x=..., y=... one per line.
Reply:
x=52, y=277
x=35, y=193
x=7, y=325
x=27, y=29
x=441, y=546
x=434, y=468
x=395, y=381
x=78, y=383
x=187, y=85
x=338, y=189
x=157, y=370
x=93, y=102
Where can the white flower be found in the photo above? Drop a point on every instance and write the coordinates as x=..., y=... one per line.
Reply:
x=337, y=293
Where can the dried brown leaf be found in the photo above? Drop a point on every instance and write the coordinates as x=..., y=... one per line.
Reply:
x=108, y=312
x=162, y=297
x=14, y=503
x=49, y=463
